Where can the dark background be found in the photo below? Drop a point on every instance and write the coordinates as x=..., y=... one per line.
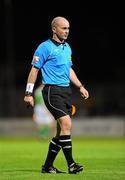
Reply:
x=97, y=40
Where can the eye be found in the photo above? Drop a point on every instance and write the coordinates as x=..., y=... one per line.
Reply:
x=66, y=28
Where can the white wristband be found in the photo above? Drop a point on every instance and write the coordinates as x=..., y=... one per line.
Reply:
x=29, y=87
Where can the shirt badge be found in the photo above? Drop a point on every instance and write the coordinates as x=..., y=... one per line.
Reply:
x=35, y=59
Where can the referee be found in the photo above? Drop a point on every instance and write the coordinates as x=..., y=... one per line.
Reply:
x=53, y=59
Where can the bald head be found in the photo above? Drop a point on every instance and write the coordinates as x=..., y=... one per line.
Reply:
x=60, y=28
x=58, y=20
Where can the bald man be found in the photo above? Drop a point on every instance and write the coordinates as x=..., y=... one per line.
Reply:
x=53, y=59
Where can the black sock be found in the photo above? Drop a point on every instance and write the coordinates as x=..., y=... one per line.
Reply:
x=54, y=148
x=66, y=144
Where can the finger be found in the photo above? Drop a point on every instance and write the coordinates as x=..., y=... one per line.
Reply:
x=86, y=97
x=29, y=104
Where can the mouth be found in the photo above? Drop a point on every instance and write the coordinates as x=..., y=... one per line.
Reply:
x=66, y=35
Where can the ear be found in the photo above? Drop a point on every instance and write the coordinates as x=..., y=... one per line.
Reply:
x=54, y=29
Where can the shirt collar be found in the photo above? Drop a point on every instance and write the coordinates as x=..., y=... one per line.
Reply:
x=57, y=43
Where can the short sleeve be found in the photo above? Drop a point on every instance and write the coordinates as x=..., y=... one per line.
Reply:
x=40, y=56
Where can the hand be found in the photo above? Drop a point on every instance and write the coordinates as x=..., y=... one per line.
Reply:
x=84, y=93
x=29, y=100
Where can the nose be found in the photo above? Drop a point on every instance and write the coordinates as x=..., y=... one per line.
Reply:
x=67, y=31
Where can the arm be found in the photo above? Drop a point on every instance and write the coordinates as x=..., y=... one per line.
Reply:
x=28, y=98
x=74, y=79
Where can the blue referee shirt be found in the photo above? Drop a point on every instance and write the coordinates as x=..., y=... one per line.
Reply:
x=54, y=61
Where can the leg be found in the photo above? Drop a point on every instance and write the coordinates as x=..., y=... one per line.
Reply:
x=58, y=130
x=66, y=144
x=54, y=148
x=65, y=138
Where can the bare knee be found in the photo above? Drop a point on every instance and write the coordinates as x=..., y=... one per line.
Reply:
x=65, y=125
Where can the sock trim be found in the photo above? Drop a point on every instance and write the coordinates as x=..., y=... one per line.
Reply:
x=65, y=140
x=67, y=147
x=54, y=151
x=55, y=143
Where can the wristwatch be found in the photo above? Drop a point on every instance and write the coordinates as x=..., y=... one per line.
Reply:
x=27, y=93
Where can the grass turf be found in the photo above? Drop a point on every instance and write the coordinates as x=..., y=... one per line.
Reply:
x=103, y=159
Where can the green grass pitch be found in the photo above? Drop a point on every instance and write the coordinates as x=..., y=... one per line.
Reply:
x=103, y=159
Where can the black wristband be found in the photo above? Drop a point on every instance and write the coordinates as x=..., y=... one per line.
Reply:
x=27, y=93
x=81, y=86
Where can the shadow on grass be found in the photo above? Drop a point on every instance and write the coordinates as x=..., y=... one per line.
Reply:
x=25, y=170
x=20, y=170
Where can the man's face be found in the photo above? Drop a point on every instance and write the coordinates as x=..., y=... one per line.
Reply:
x=62, y=29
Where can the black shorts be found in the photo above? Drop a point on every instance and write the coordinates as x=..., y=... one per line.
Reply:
x=58, y=100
